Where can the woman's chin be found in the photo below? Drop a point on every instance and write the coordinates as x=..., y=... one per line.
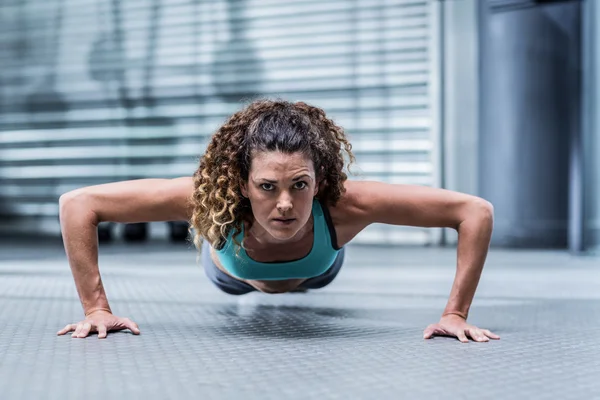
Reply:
x=278, y=235
x=283, y=230
x=283, y=233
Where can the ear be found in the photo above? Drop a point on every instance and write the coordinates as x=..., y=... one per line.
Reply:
x=320, y=180
x=244, y=188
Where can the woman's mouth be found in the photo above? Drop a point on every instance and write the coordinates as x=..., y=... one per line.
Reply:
x=284, y=221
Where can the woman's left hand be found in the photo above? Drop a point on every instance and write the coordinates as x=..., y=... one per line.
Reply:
x=456, y=326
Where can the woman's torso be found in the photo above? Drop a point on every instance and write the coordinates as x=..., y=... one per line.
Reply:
x=345, y=225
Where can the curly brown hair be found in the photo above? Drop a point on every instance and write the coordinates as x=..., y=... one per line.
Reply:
x=263, y=125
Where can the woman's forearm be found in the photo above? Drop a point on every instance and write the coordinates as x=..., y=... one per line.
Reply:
x=79, y=226
x=474, y=235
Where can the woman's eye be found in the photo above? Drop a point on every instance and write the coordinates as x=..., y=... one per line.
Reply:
x=270, y=187
x=302, y=183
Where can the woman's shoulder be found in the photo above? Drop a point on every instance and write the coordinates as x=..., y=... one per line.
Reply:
x=350, y=214
x=350, y=204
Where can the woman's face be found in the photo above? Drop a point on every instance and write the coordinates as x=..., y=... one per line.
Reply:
x=281, y=188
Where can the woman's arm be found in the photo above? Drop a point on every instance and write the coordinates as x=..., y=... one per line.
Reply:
x=83, y=209
x=424, y=206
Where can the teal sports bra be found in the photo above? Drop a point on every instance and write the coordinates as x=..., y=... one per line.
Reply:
x=321, y=256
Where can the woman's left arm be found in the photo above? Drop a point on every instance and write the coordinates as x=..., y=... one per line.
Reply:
x=472, y=217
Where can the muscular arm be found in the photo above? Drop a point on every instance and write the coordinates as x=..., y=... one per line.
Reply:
x=81, y=211
x=474, y=235
x=423, y=206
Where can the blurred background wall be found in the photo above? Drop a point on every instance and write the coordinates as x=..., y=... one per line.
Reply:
x=98, y=91
x=590, y=132
x=529, y=112
x=487, y=97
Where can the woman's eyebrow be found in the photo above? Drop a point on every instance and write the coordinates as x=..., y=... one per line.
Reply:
x=275, y=181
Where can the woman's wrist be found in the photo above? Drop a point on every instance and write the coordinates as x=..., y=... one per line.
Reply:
x=457, y=313
x=94, y=309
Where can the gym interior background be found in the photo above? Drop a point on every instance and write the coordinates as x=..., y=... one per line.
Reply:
x=493, y=98
x=497, y=98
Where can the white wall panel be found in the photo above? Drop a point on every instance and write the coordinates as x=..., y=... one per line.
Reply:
x=99, y=91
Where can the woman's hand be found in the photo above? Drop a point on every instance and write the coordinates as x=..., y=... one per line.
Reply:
x=456, y=326
x=102, y=322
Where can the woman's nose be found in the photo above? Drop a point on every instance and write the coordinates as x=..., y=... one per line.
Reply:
x=284, y=203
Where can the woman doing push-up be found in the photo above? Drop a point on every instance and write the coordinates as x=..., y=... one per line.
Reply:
x=271, y=210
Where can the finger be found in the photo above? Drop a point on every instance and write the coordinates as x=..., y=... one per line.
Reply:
x=66, y=329
x=473, y=334
x=77, y=330
x=87, y=327
x=482, y=336
x=462, y=337
x=133, y=327
x=477, y=335
x=102, y=332
x=428, y=332
x=490, y=334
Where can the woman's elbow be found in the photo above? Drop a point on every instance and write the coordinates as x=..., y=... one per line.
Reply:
x=484, y=212
x=67, y=199
x=487, y=209
x=71, y=202
x=477, y=209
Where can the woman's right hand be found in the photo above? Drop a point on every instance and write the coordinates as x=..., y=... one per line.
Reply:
x=102, y=322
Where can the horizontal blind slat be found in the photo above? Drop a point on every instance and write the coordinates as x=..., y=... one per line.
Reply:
x=367, y=63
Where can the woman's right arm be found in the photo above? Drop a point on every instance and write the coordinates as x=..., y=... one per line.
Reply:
x=81, y=210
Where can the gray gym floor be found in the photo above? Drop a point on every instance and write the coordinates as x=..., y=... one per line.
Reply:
x=360, y=337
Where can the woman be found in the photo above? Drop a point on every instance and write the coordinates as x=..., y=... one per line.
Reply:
x=272, y=211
